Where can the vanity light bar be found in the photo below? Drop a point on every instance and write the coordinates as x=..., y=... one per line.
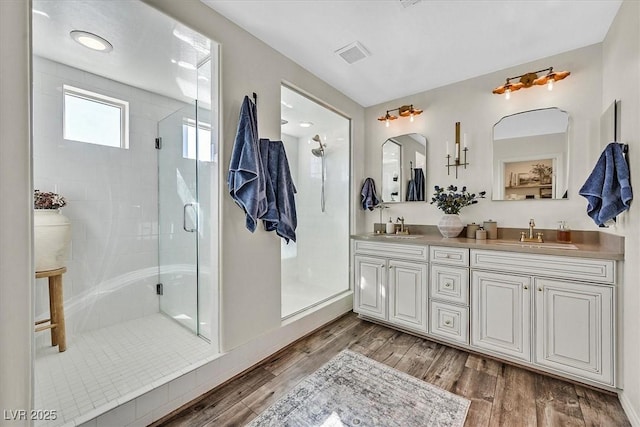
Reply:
x=404, y=111
x=529, y=79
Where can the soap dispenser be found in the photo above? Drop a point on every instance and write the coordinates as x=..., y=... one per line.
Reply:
x=391, y=228
x=563, y=234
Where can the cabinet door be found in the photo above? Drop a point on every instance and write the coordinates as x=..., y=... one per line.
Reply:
x=370, y=287
x=574, y=328
x=501, y=313
x=408, y=294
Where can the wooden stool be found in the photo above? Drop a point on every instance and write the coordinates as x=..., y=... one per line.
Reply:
x=56, y=308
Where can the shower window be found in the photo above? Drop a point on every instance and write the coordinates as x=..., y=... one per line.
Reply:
x=189, y=141
x=95, y=118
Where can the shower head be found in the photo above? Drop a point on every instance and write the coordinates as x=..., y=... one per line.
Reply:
x=318, y=152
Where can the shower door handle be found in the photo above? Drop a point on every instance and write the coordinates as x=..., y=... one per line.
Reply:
x=184, y=217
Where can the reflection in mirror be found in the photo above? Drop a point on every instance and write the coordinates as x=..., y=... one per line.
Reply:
x=403, y=168
x=531, y=155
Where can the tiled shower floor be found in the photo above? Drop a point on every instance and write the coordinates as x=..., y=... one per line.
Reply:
x=104, y=368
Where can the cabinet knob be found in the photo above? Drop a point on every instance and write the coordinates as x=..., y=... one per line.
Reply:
x=447, y=285
x=447, y=322
x=382, y=266
x=526, y=287
x=539, y=289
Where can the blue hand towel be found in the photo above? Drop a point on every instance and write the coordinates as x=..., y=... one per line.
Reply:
x=246, y=178
x=281, y=215
x=368, y=193
x=608, y=188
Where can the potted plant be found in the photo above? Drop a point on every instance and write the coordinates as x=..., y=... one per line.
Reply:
x=543, y=172
x=450, y=201
x=52, y=231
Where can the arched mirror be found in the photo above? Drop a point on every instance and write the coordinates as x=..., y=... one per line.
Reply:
x=404, y=160
x=531, y=155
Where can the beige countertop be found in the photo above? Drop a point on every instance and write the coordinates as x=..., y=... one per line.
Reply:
x=608, y=247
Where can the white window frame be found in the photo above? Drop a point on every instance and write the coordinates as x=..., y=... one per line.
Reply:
x=191, y=123
x=88, y=95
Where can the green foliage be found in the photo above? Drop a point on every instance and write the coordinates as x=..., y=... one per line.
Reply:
x=451, y=202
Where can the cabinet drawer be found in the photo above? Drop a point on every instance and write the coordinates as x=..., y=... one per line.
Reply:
x=450, y=284
x=450, y=256
x=586, y=269
x=449, y=322
x=392, y=250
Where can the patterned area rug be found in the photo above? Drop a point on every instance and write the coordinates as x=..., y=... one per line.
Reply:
x=352, y=390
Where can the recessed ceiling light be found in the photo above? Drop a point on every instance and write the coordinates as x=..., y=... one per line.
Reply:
x=306, y=124
x=91, y=41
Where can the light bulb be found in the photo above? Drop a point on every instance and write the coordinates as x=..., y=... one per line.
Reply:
x=387, y=123
x=550, y=84
x=507, y=94
x=411, y=117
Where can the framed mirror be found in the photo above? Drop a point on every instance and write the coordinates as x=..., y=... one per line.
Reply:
x=531, y=155
x=404, y=160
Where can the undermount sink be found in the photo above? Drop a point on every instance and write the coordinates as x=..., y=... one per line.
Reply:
x=539, y=245
x=401, y=236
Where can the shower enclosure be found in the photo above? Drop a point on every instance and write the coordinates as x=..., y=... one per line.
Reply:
x=316, y=267
x=141, y=283
x=186, y=160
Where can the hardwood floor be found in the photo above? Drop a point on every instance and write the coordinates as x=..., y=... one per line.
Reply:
x=500, y=394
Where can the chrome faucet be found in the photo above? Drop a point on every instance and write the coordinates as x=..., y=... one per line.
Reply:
x=402, y=229
x=531, y=238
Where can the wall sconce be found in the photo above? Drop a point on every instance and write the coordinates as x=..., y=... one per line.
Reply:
x=456, y=157
x=404, y=111
x=530, y=79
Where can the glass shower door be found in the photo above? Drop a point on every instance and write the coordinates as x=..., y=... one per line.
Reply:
x=178, y=218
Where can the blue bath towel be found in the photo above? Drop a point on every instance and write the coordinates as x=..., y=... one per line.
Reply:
x=246, y=177
x=369, y=197
x=608, y=188
x=418, y=178
x=412, y=195
x=270, y=218
x=281, y=215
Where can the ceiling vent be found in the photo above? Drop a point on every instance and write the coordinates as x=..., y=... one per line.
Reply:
x=407, y=3
x=353, y=52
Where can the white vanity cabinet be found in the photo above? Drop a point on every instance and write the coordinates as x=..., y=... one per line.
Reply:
x=370, y=286
x=574, y=328
x=449, y=294
x=501, y=306
x=557, y=312
x=553, y=313
x=391, y=283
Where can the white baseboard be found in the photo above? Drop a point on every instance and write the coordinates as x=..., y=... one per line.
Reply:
x=634, y=419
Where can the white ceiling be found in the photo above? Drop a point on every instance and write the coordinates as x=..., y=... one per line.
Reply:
x=150, y=49
x=421, y=47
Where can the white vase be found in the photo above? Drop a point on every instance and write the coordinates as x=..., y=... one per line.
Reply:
x=52, y=239
x=450, y=225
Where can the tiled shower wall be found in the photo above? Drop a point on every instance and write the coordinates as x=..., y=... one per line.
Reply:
x=111, y=197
